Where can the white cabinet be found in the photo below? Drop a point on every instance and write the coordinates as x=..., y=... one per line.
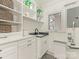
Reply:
x=59, y=50
x=72, y=53
x=22, y=46
x=8, y=51
x=31, y=48
x=23, y=49
x=27, y=48
x=57, y=45
x=42, y=46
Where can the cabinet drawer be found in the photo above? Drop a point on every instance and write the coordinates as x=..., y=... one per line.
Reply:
x=22, y=43
x=30, y=40
x=8, y=48
x=9, y=56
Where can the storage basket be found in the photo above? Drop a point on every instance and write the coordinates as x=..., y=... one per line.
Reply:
x=8, y=3
x=6, y=15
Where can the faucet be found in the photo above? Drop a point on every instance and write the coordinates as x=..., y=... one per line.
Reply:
x=36, y=31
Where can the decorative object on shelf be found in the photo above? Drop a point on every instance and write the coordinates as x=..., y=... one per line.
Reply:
x=39, y=14
x=28, y=3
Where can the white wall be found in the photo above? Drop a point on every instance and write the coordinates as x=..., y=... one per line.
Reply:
x=52, y=7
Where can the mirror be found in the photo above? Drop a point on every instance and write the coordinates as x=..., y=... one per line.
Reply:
x=73, y=17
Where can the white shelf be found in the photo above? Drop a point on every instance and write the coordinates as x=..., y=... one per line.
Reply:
x=31, y=19
x=11, y=22
x=10, y=9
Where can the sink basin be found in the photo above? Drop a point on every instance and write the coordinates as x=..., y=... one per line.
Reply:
x=40, y=34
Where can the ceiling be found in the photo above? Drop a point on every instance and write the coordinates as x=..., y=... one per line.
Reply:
x=44, y=2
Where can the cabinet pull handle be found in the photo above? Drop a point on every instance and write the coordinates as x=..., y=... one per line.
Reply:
x=29, y=45
x=0, y=57
x=29, y=40
x=4, y=37
x=0, y=50
x=45, y=42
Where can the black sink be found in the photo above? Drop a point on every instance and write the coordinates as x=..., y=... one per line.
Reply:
x=33, y=33
x=40, y=34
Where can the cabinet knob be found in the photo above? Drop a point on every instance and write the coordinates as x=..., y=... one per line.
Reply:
x=0, y=57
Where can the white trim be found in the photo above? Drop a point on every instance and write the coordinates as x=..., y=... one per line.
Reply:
x=48, y=52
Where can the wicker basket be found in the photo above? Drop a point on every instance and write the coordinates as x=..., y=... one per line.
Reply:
x=6, y=15
x=8, y=3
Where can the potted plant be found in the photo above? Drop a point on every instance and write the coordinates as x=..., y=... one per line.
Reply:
x=28, y=3
x=39, y=14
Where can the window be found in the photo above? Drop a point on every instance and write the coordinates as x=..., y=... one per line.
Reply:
x=55, y=22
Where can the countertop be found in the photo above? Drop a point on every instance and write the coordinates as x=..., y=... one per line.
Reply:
x=14, y=37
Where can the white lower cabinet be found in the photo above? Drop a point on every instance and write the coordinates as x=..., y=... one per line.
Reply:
x=27, y=48
x=59, y=50
x=31, y=49
x=22, y=46
x=42, y=46
x=72, y=53
x=8, y=51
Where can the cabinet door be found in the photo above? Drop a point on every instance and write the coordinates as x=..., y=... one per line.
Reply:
x=27, y=49
x=22, y=49
x=9, y=56
x=8, y=51
x=42, y=45
x=31, y=49
x=59, y=50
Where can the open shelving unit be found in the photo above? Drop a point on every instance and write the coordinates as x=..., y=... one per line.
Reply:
x=11, y=22
x=21, y=14
x=10, y=9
